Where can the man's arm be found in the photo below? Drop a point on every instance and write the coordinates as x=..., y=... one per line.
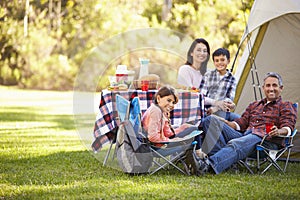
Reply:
x=288, y=117
x=232, y=124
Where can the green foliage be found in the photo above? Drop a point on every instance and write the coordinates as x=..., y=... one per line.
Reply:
x=220, y=22
x=30, y=56
x=10, y=43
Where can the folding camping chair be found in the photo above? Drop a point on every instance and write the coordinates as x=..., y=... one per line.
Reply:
x=269, y=156
x=169, y=153
x=172, y=153
x=274, y=155
x=123, y=109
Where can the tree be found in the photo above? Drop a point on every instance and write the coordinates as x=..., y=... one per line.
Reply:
x=44, y=43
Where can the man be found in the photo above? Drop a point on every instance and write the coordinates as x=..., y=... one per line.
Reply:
x=242, y=134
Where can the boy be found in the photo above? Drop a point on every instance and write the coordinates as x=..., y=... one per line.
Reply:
x=218, y=87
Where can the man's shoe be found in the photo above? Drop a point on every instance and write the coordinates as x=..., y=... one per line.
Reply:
x=200, y=154
x=204, y=166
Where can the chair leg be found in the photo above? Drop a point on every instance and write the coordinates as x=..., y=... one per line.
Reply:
x=287, y=160
x=258, y=160
x=273, y=162
x=107, y=154
x=185, y=167
x=245, y=164
x=168, y=162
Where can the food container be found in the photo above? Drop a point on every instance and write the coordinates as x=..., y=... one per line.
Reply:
x=121, y=73
x=113, y=81
x=152, y=84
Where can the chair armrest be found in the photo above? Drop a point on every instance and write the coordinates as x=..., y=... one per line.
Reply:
x=284, y=136
x=187, y=140
x=293, y=133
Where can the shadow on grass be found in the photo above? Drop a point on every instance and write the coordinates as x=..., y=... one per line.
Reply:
x=75, y=175
x=31, y=114
x=54, y=169
x=53, y=175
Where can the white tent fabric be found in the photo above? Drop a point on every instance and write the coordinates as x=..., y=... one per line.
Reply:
x=272, y=39
x=267, y=10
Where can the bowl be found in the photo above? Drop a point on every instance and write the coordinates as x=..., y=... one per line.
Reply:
x=152, y=84
x=114, y=81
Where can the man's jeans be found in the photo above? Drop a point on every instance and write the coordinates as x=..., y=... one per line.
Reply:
x=215, y=138
x=235, y=150
x=230, y=116
x=225, y=145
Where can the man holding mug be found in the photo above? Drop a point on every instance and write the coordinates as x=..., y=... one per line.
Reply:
x=242, y=134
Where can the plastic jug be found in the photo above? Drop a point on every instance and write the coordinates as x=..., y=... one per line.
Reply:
x=144, y=63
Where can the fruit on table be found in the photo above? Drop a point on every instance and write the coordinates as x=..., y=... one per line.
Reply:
x=194, y=89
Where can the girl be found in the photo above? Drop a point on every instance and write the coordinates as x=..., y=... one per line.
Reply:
x=156, y=120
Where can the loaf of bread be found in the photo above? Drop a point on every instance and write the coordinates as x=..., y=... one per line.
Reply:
x=150, y=77
x=122, y=86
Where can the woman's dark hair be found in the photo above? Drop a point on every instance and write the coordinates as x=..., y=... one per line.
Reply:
x=166, y=91
x=189, y=61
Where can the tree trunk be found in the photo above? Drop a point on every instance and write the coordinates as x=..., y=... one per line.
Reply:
x=166, y=10
x=26, y=18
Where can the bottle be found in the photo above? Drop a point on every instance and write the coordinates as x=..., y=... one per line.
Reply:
x=144, y=63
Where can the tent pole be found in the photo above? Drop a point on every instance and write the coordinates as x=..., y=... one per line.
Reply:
x=247, y=32
x=251, y=58
x=251, y=55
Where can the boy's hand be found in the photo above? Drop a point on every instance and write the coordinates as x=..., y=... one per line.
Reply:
x=229, y=105
x=225, y=105
x=212, y=110
x=221, y=105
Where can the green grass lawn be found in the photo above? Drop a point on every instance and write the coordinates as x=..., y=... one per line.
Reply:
x=45, y=155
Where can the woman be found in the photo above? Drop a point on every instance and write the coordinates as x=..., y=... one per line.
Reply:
x=190, y=74
x=156, y=120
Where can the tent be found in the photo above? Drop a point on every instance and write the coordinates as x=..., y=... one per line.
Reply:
x=271, y=42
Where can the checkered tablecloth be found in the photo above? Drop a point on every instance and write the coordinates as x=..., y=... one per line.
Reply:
x=188, y=109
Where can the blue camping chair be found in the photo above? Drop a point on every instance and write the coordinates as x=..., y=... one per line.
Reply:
x=274, y=155
x=170, y=153
x=269, y=156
